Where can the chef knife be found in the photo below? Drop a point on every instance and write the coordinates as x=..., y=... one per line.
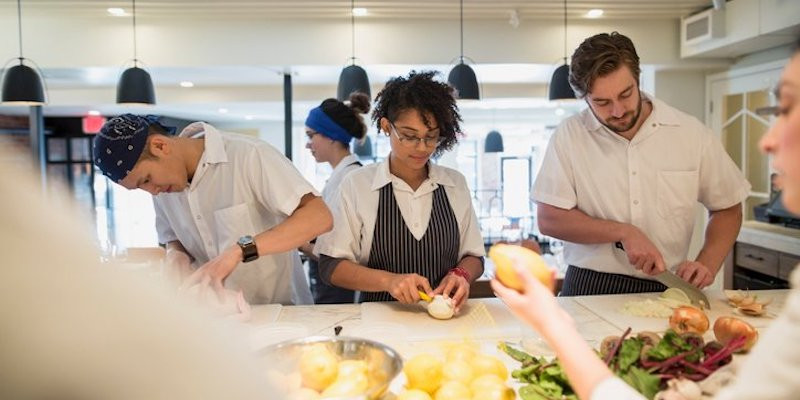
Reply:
x=669, y=279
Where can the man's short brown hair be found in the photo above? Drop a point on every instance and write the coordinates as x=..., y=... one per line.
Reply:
x=599, y=56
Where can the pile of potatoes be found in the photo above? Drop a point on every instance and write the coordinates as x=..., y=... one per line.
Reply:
x=464, y=374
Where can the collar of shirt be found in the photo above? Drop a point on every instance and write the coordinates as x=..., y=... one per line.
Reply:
x=435, y=178
x=213, y=151
x=659, y=116
x=344, y=163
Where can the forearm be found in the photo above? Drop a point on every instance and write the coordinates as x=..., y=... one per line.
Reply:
x=353, y=276
x=473, y=265
x=721, y=232
x=583, y=367
x=309, y=220
x=575, y=226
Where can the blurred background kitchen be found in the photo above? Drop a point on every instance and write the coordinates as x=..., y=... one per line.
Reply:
x=258, y=66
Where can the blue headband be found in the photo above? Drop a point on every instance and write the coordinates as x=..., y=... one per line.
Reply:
x=323, y=124
x=120, y=143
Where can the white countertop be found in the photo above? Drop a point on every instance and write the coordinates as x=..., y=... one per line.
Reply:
x=770, y=236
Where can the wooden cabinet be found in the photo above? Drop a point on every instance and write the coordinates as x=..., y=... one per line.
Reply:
x=757, y=267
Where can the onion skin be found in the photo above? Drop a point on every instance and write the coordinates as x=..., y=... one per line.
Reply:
x=729, y=328
x=689, y=319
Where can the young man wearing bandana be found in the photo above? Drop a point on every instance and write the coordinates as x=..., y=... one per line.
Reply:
x=620, y=181
x=226, y=203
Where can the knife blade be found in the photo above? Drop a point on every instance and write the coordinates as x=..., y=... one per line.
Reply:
x=669, y=279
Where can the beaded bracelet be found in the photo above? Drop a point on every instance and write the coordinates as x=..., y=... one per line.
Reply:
x=459, y=271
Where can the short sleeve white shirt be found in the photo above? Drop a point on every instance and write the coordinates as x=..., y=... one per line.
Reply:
x=355, y=214
x=652, y=182
x=242, y=186
x=330, y=192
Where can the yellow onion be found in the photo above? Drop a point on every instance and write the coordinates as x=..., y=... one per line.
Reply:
x=688, y=319
x=729, y=328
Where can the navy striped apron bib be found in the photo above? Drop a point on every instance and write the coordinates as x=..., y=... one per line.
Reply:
x=396, y=250
x=586, y=282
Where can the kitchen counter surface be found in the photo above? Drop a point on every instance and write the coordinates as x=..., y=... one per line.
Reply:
x=773, y=237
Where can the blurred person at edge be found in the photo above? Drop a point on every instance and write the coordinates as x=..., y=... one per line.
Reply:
x=330, y=128
x=73, y=328
x=406, y=224
x=229, y=204
x=771, y=369
x=620, y=182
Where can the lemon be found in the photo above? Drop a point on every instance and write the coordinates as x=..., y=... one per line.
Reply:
x=498, y=392
x=485, y=365
x=485, y=383
x=414, y=394
x=424, y=372
x=504, y=255
x=452, y=390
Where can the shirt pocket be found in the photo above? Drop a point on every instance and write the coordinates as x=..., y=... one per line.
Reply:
x=232, y=223
x=677, y=193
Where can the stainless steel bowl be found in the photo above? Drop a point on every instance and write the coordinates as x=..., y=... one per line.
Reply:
x=383, y=362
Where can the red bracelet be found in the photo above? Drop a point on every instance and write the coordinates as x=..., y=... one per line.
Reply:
x=459, y=271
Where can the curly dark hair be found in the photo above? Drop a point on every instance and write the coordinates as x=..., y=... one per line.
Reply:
x=599, y=56
x=419, y=91
x=348, y=114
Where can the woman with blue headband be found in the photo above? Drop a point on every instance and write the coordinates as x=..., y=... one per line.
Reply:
x=330, y=129
x=406, y=225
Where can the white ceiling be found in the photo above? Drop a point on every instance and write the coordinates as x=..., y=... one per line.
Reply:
x=332, y=9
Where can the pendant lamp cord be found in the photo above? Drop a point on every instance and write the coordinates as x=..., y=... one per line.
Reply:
x=19, y=19
x=135, y=56
x=462, y=31
x=353, y=32
x=565, y=31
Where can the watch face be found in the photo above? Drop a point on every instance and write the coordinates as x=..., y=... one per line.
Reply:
x=245, y=240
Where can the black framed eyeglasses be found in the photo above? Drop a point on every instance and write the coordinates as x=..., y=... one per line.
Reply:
x=413, y=141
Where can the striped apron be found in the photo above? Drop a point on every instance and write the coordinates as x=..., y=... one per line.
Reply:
x=586, y=282
x=395, y=249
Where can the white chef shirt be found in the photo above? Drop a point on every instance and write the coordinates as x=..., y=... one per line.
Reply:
x=355, y=214
x=330, y=192
x=242, y=186
x=652, y=182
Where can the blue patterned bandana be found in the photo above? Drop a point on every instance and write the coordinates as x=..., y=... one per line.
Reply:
x=120, y=143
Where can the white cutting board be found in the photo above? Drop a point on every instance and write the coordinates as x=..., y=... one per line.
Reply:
x=477, y=319
x=609, y=308
x=264, y=314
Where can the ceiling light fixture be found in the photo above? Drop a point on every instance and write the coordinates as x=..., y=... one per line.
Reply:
x=353, y=78
x=116, y=11
x=22, y=85
x=135, y=85
x=462, y=77
x=594, y=13
x=186, y=84
x=559, y=83
x=359, y=11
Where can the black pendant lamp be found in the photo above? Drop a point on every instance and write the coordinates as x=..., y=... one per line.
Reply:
x=353, y=78
x=135, y=85
x=22, y=85
x=559, y=83
x=494, y=143
x=462, y=77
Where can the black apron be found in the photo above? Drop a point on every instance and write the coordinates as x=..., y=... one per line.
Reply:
x=586, y=282
x=396, y=250
x=322, y=292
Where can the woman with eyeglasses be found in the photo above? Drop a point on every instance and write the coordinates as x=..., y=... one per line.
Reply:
x=406, y=225
x=330, y=128
x=772, y=368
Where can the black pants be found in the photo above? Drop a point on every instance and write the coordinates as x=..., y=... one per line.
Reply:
x=324, y=293
x=586, y=282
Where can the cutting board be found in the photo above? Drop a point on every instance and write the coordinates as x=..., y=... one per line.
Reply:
x=478, y=319
x=609, y=308
x=264, y=314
